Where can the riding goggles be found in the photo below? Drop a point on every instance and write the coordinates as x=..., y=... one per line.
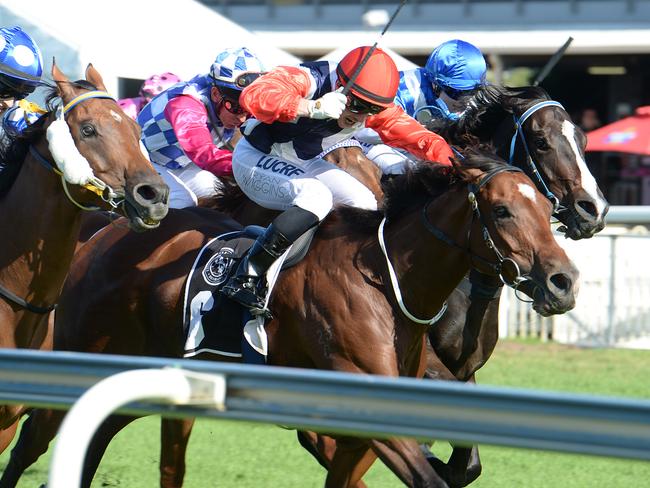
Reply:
x=359, y=106
x=455, y=94
x=230, y=99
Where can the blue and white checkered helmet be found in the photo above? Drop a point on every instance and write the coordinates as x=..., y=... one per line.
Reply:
x=231, y=64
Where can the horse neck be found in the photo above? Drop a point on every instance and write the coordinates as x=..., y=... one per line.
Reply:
x=428, y=269
x=44, y=227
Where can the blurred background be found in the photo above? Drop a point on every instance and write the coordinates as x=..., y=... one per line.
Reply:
x=603, y=78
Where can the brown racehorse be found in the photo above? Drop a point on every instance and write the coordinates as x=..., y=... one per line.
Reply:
x=547, y=144
x=38, y=212
x=124, y=293
x=466, y=336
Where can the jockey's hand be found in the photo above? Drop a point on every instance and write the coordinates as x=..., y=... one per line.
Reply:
x=329, y=106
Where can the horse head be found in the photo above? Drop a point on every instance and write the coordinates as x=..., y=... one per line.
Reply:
x=97, y=148
x=536, y=134
x=510, y=235
x=557, y=147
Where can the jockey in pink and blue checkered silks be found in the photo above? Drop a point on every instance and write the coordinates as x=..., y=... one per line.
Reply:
x=187, y=128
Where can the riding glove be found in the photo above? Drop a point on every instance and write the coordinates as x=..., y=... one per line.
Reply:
x=329, y=106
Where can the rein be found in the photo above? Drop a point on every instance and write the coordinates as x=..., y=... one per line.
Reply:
x=93, y=184
x=519, y=122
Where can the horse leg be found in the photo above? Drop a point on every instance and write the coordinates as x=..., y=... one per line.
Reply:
x=109, y=428
x=7, y=435
x=174, y=436
x=35, y=436
x=322, y=448
x=352, y=459
x=405, y=458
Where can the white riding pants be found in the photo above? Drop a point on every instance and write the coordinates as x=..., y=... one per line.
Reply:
x=390, y=161
x=188, y=184
x=315, y=185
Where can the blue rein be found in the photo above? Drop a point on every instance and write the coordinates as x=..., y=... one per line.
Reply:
x=519, y=122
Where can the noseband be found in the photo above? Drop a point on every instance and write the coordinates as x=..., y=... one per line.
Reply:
x=519, y=123
x=94, y=184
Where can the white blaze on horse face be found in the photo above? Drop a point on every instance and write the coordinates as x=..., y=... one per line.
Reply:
x=116, y=116
x=587, y=181
x=527, y=191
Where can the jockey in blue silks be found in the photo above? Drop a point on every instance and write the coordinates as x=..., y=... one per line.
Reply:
x=453, y=70
x=21, y=67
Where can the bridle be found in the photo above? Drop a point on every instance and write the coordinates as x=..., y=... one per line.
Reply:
x=505, y=268
x=535, y=174
x=94, y=184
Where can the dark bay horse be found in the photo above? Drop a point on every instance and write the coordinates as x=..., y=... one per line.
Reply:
x=85, y=155
x=124, y=294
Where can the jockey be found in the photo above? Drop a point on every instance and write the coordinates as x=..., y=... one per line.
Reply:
x=453, y=71
x=298, y=113
x=152, y=86
x=21, y=67
x=186, y=127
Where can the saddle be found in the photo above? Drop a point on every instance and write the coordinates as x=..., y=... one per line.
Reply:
x=214, y=324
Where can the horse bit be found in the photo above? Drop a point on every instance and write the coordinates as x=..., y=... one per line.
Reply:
x=94, y=184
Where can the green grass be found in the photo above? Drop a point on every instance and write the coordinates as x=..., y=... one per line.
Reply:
x=243, y=455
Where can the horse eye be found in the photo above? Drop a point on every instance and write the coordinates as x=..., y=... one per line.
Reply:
x=501, y=212
x=541, y=144
x=88, y=130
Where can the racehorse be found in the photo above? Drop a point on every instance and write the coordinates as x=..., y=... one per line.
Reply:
x=535, y=133
x=84, y=153
x=124, y=293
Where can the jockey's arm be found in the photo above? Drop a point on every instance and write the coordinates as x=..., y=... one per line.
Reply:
x=189, y=118
x=398, y=129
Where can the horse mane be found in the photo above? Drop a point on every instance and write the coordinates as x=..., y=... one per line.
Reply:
x=15, y=145
x=486, y=108
x=425, y=181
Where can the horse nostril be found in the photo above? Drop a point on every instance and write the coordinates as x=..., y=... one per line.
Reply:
x=561, y=281
x=147, y=192
x=588, y=207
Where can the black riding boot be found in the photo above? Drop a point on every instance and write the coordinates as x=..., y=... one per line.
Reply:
x=242, y=287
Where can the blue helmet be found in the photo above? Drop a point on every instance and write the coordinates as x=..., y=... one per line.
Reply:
x=456, y=64
x=21, y=63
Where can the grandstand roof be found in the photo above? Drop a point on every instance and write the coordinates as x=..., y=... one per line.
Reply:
x=134, y=39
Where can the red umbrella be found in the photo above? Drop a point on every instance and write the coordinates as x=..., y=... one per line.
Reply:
x=628, y=135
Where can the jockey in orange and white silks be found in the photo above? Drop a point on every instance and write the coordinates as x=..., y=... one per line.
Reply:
x=21, y=68
x=440, y=92
x=187, y=128
x=298, y=113
x=152, y=86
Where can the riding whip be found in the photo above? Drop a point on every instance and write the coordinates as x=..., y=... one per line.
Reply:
x=552, y=62
x=365, y=59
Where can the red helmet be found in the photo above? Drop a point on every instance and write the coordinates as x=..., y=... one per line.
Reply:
x=378, y=80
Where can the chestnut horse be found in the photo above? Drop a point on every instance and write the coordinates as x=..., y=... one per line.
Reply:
x=537, y=134
x=124, y=294
x=84, y=153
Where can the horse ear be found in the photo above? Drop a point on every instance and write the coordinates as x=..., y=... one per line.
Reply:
x=62, y=81
x=466, y=173
x=93, y=76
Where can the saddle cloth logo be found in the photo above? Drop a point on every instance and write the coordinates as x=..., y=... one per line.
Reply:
x=218, y=267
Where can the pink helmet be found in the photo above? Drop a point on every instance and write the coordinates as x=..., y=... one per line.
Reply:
x=156, y=84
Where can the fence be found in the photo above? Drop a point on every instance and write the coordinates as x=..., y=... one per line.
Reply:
x=613, y=307
x=334, y=402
